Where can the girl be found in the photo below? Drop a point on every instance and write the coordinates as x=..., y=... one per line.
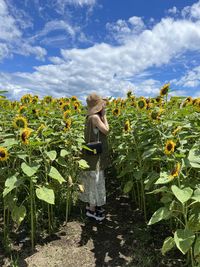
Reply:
x=93, y=179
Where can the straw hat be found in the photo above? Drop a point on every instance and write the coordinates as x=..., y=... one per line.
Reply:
x=95, y=103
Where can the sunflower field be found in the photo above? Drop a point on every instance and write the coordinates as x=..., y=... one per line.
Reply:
x=155, y=150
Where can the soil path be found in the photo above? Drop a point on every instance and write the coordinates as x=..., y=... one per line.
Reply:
x=122, y=239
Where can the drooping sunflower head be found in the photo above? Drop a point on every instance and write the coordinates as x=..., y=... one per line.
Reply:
x=129, y=94
x=65, y=106
x=189, y=100
x=176, y=171
x=35, y=112
x=26, y=99
x=155, y=115
x=142, y=103
x=177, y=130
x=25, y=134
x=74, y=98
x=159, y=99
x=68, y=124
x=165, y=89
x=127, y=126
x=35, y=99
x=20, y=122
x=48, y=99
x=116, y=112
x=66, y=114
x=169, y=147
x=22, y=109
x=3, y=154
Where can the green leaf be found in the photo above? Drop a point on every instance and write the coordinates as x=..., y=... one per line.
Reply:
x=18, y=214
x=9, y=185
x=168, y=244
x=196, y=195
x=194, y=158
x=83, y=164
x=184, y=239
x=61, y=161
x=161, y=214
x=46, y=194
x=64, y=153
x=164, y=178
x=182, y=195
x=128, y=186
x=194, y=222
x=51, y=154
x=197, y=247
x=29, y=170
x=54, y=173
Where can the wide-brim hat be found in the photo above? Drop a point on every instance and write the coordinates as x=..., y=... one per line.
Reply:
x=95, y=103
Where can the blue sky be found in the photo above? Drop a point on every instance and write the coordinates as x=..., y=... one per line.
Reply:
x=75, y=47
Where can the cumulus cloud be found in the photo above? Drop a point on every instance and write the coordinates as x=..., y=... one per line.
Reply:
x=190, y=79
x=192, y=11
x=173, y=10
x=113, y=69
x=121, y=30
x=11, y=37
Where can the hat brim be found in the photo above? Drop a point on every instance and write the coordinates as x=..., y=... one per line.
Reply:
x=96, y=108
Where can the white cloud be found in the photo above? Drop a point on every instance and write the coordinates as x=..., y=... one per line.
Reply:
x=77, y=2
x=192, y=11
x=122, y=30
x=12, y=39
x=61, y=5
x=56, y=25
x=173, y=10
x=190, y=79
x=109, y=69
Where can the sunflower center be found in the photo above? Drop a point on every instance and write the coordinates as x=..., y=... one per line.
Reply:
x=169, y=147
x=2, y=154
x=20, y=123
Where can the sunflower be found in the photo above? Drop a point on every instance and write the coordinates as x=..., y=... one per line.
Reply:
x=129, y=94
x=169, y=147
x=116, y=112
x=35, y=112
x=48, y=99
x=68, y=124
x=65, y=106
x=3, y=154
x=142, y=103
x=26, y=99
x=175, y=172
x=20, y=122
x=40, y=129
x=25, y=135
x=158, y=99
x=127, y=126
x=66, y=114
x=165, y=89
x=76, y=105
x=189, y=100
x=74, y=98
x=177, y=130
x=22, y=109
x=35, y=99
x=155, y=114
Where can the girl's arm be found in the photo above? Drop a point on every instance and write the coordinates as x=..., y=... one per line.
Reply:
x=102, y=125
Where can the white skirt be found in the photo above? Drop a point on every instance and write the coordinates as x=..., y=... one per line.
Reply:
x=94, y=187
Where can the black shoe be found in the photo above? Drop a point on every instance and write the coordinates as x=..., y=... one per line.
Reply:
x=99, y=209
x=93, y=214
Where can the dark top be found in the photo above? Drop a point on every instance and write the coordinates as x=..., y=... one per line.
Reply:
x=91, y=135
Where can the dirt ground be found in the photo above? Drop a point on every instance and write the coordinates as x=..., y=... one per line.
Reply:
x=122, y=239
